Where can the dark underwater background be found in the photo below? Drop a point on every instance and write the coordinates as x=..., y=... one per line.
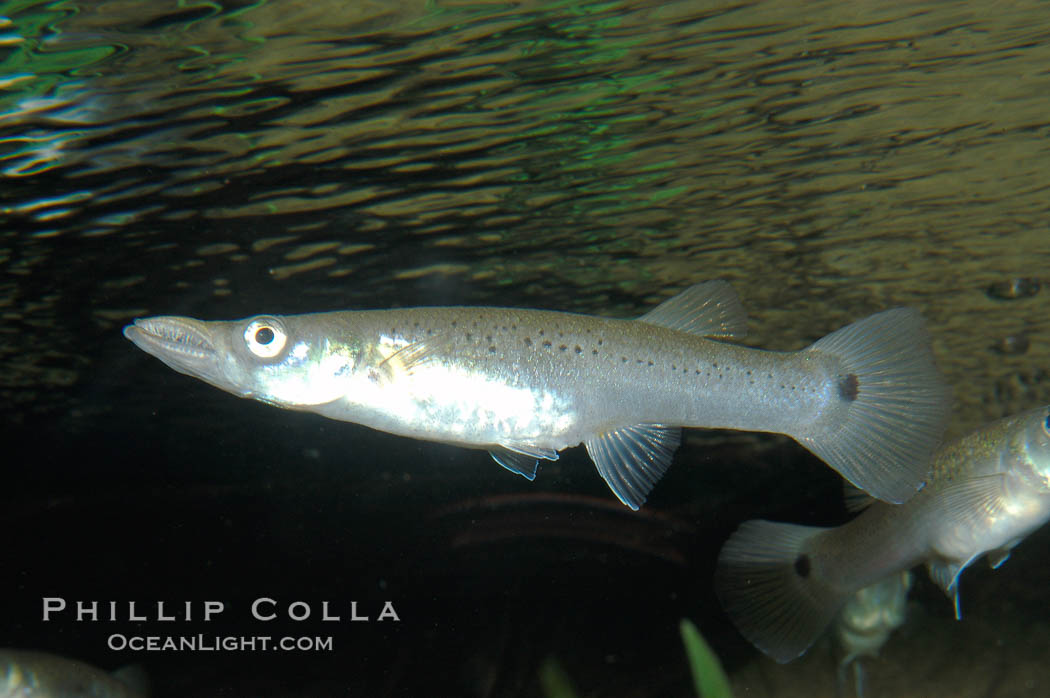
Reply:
x=223, y=159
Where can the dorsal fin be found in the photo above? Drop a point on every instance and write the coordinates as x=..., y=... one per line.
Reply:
x=710, y=309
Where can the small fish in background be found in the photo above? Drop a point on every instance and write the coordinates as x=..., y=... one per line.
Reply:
x=1012, y=289
x=525, y=384
x=26, y=674
x=1012, y=345
x=782, y=584
x=864, y=624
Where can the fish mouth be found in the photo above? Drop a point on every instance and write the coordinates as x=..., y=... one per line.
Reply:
x=182, y=343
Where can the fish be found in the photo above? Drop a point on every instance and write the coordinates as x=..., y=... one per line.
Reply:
x=864, y=624
x=525, y=384
x=27, y=674
x=781, y=583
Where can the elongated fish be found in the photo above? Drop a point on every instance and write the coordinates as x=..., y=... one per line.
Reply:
x=26, y=674
x=781, y=584
x=524, y=384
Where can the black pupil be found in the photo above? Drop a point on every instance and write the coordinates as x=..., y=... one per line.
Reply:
x=264, y=335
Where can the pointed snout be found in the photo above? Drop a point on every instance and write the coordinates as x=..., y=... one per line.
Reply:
x=183, y=343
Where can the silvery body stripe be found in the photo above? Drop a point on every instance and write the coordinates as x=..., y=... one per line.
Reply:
x=554, y=379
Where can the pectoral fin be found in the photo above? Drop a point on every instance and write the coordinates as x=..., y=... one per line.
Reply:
x=406, y=360
x=632, y=459
x=972, y=501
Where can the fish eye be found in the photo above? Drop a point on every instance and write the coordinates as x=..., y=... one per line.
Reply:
x=265, y=337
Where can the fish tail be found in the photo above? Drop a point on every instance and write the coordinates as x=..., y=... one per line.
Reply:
x=773, y=590
x=892, y=405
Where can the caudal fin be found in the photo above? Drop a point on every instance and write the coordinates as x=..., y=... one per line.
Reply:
x=893, y=405
x=772, y=590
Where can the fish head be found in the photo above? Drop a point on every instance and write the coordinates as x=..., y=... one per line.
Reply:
x=1035, y=445
x=288, y=361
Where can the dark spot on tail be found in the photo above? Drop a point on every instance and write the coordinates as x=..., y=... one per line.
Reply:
x=848, y=387
x=802, y=566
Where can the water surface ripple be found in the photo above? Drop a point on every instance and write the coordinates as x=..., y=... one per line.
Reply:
x=831, y=159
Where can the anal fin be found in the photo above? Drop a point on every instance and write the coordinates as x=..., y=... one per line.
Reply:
x=632, y=459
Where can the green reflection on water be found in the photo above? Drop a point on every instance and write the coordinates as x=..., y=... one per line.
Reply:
x=42, y=51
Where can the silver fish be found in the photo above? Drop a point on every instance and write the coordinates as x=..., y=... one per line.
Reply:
x=525, y=384
x=25, y=674
x=781, y=584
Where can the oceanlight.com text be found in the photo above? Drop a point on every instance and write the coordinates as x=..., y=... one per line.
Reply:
x=219, y=643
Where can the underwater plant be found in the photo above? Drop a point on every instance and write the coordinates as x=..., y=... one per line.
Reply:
x=709, y=678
